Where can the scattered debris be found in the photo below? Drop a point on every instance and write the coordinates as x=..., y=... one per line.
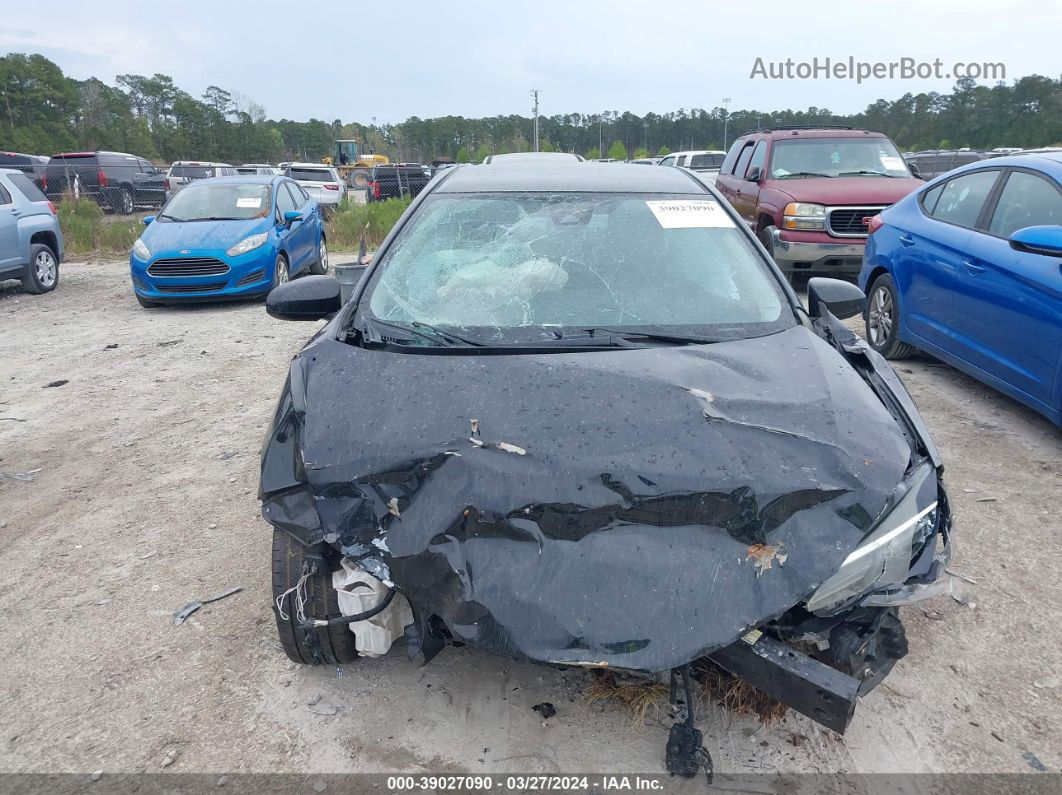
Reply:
x=934, y=615
x=392, y=506
x=797, y=739
x=1034, y=762
x=110, y=347
x=762, y=555
x=96, y=775
x=313, y=699
x=545, y=709
x=511, y=448
x=182, y=615
x=24, y=477
x=60, y=382
x=1048, y=683
x=170, y=758
x=997, y=736
x=169, y=342
x=970, y=491
x=12, y=419
x=962, y=577
x=323, y=708
x=987, y=499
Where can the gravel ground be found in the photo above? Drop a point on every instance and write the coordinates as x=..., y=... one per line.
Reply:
x=141, y=497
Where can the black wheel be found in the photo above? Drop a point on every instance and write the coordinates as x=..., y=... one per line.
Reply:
x=145, y=302
x=123, y=202
x=281, y=274
x=325, y=644
x=320, y=266
x=882, y=318
x=42, y=273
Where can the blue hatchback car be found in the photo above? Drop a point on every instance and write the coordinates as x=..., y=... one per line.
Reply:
x=969, y=269
x=226, y=238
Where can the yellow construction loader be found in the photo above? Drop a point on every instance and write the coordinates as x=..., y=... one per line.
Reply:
x=353, y=163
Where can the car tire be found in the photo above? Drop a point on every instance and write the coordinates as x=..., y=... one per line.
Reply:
x=332, y=645
x=881, y=317
x=320, y=266
x=281, y=271
x=123, y=202
x=358, y=178
x=42, y=273
x=147, y=303
x=765, y=237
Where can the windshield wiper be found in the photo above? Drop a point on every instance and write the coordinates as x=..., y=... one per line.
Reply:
x=865, y=173
x=804, y=174
x=661, y=336
x=422, y=330
x=172, y=217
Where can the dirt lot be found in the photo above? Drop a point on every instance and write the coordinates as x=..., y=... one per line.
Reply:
x=144, y=473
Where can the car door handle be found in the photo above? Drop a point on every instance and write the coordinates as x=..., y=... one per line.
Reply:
x=973, y=267
x=907, y=240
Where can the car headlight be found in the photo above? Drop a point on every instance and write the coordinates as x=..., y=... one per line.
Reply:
x=802, y=215
x=884, y=557
x=141, y=251
x=248, y=244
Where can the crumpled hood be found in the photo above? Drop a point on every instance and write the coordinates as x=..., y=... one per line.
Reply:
x=620, y=523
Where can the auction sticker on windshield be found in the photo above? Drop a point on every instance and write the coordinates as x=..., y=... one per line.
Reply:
x=249, y=201
x=689, y=214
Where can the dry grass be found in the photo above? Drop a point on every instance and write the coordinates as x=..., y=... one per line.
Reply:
x=640, y=699
x=737, y=695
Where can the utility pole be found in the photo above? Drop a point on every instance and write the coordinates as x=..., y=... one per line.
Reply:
x=534, y=95
x=600, y=139
x=645, y=126
x=726, y=118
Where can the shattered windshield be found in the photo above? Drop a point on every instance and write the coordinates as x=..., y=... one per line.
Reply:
x=519, y=267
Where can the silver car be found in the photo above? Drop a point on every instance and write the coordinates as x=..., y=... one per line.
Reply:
x=320, y=181
x=31, y=243
x=184, y=171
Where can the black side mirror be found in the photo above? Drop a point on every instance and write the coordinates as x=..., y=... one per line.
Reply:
x=308, y=298
x=754, y=175
x=915, y=172
x=843, y=299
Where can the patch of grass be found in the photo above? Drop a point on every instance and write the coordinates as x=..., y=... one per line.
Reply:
x=373, y=221
x=86, y=230
x=737, y=695
x=638, y=698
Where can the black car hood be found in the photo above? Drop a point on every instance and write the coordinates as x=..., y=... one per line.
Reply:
x=635, y=508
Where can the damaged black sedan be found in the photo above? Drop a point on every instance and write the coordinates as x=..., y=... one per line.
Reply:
x=573, y=414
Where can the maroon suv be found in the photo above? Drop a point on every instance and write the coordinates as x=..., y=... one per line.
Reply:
x=809, y=193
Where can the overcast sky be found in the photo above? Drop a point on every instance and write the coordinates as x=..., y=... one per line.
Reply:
x=391, y=60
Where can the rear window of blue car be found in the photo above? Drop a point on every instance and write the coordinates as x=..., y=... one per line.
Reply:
x=27, y=188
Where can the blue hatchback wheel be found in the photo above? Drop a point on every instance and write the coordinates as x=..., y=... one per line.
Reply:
x=280, y=271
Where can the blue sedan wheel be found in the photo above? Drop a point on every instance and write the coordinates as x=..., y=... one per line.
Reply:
x=882, y=317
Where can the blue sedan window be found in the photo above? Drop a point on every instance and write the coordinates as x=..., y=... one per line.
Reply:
x=963, y=197
x=1026, y=200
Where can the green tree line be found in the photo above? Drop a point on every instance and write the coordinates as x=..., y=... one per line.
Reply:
x=42, y=111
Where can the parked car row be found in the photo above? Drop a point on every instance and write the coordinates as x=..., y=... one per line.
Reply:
x=31, y=242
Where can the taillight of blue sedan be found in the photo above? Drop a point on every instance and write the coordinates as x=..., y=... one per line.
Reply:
x=228, y=238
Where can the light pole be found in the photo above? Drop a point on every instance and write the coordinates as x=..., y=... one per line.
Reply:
x=645, y=126
x=726, y=118
x=600, y=138
x=534, y=94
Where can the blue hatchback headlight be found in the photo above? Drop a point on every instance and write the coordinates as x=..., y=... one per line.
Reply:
x=141, y=251
x=248, y=244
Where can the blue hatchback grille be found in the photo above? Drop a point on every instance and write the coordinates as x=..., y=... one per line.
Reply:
x=188, y=266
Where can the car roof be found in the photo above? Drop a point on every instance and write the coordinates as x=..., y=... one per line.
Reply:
x=567, y=176
x=697, y=152
x=815, y=132
x=199, y=163
x=1048, y=162
x=324, y=166
x=244, y=179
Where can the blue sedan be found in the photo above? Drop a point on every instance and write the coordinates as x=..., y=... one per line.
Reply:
x=225, y=238
x=969, y=269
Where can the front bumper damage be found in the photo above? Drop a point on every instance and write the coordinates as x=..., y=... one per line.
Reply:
x=629, y=511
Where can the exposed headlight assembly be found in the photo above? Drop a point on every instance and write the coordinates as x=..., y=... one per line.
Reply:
x=248, y=244
x=884, y=557
x=802, y=215
x=141, y=251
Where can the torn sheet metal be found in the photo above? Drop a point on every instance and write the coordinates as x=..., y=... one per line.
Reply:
x=621, y=535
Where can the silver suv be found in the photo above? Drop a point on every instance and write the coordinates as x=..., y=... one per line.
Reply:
x=184, y=171
x=31, y=244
